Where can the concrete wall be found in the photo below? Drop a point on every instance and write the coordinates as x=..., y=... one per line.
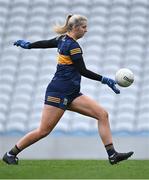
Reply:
x=53, y=147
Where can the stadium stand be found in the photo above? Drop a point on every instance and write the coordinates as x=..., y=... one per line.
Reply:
x=117, y=37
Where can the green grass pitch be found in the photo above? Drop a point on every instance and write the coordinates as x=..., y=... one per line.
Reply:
x=75, y=169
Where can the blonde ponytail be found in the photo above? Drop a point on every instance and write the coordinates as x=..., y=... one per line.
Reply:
x=62, y=29
x=71, y=21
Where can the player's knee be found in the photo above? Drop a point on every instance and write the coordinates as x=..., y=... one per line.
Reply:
x=103, y=115
x=106, y=115
x=43, y=133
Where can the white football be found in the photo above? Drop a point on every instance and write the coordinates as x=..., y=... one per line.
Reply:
x=124, y=77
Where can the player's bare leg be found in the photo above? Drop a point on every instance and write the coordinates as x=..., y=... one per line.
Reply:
x=86, y=106
x=50, y=117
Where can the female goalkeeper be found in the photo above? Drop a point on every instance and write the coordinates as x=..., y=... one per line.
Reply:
x=63, y=92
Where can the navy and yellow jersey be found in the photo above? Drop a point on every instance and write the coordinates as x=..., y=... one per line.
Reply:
x=70, y=65
x=67, y=78
x=66, y=74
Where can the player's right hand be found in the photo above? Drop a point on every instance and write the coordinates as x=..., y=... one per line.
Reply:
x=22, y=44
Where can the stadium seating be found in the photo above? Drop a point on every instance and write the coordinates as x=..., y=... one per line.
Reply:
x=117, y=37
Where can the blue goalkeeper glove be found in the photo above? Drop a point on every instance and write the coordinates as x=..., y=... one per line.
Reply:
x=111, y=83
x=22, y=44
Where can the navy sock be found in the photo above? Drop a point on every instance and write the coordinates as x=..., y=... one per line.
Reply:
x=110, y=149
x=14, y=151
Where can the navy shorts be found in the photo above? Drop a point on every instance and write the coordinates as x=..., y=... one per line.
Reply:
x=60, y=100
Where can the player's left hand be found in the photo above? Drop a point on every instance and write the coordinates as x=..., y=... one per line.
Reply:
x=111, y=83
x=22, y=44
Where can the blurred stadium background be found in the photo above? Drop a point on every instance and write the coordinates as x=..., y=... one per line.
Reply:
x=118, y=36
